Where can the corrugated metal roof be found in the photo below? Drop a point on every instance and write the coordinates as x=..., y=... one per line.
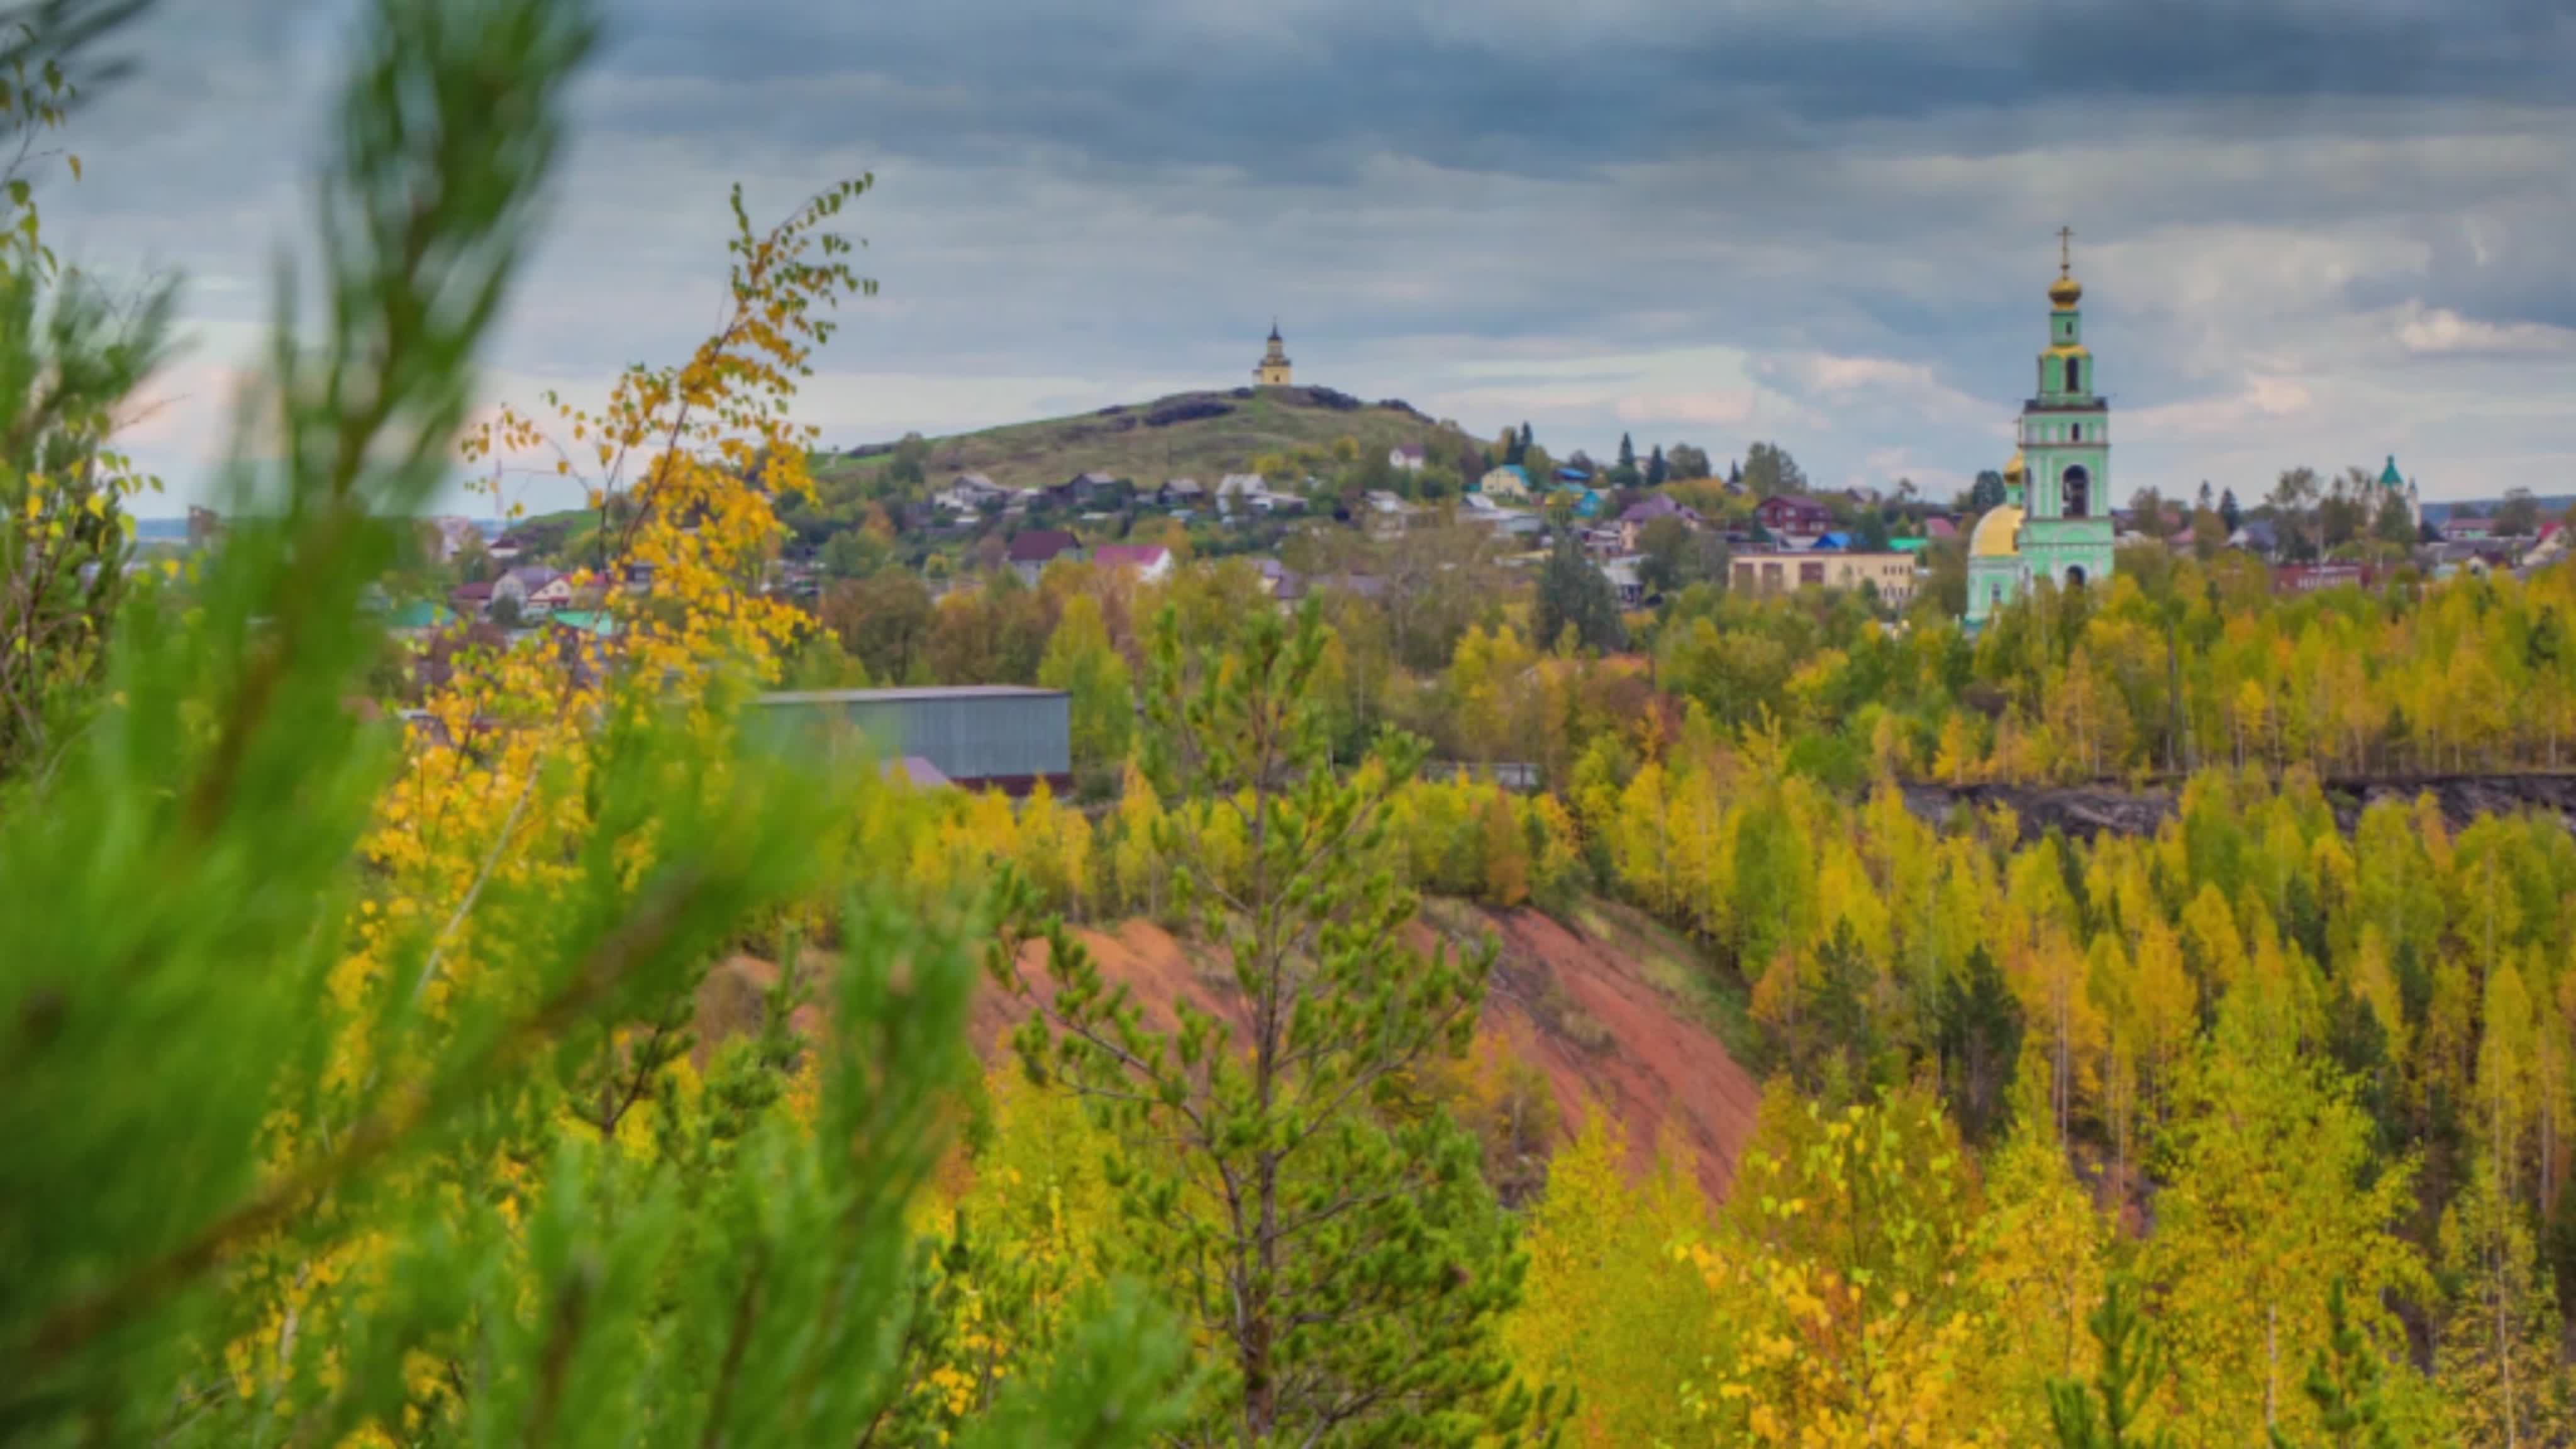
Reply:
x=970, y=734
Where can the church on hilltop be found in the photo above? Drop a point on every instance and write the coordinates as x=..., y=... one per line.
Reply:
x=1273, y=371
x=2055, y=520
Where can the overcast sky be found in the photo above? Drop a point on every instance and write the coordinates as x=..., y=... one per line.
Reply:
x=2310, y=231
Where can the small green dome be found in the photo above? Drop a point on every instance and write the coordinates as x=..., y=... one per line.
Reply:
x=2389, y=477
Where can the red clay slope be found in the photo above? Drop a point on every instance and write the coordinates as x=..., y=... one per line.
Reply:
x=1662, y=1074
x=1581, y=1003
x=1576, y=1003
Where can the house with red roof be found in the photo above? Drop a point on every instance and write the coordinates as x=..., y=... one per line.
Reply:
x=1150, y=562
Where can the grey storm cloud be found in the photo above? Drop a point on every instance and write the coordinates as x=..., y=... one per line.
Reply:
x=1080, y=199
x=1294, y=92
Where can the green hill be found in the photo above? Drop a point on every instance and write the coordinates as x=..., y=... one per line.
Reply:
x=1202, y=435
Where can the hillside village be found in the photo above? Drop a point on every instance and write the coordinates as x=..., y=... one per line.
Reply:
x=1310, y=490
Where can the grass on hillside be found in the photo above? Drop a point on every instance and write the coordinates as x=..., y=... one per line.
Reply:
x=1122, y=443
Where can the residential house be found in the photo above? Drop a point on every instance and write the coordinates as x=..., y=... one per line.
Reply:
x=1385, y=513
x=1509, y=483
x=1087, y=489
x=970, y=493
x=1250, y=493
x=2310, y=578
x=1794, y=516
x=2256, y=535
x=533, y=589
x=1032, y=549
x=1150, y=562
x=1180, y=493
x=1625, y=582
x=2467, y=528
x=2548, y=548
x=1504, y=522
x=471, y=599
x=1781, y=570
x=1277, y=579
x=1633, y=519
x=1937, y=528
x=1239, y=489
x=1406, y=456
x=1584, y=503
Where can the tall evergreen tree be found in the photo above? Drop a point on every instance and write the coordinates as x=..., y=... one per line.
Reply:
x=1345, y=1262
x=2346, y=1382
x=2132, y=1371
x=1980, y=1025
x=1657, y=470
x=2228, y=512
x=1573, y=593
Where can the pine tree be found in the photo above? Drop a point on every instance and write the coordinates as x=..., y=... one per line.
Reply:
x=1574, y=594
x=1346, y=1265
x=2345, y=1382
x=1980, y=1023
x=297, y=1087
x=2131, y=1374
x=1657, y=470
x=2229, y=513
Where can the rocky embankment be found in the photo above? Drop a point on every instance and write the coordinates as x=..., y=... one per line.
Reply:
x=2084, y=811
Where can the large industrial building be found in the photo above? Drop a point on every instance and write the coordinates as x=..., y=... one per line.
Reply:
x=980, y=736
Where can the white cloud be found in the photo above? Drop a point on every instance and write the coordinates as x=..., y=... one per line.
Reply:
x=2440, y=332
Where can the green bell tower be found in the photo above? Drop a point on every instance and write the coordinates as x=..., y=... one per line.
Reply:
x=2066, y=438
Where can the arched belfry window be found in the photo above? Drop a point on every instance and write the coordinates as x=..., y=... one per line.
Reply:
x=2078, y=488
x=2071, y=375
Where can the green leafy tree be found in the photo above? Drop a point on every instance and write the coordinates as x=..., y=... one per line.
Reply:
x=1081, y=661
x=2393, y=523
x=1769, y=471
x=855, y=553
x=1987, y=492
x=2519, y=514
x=1687, y=460
x=1574, y=594
x=885, y=619
x=1345, y=1264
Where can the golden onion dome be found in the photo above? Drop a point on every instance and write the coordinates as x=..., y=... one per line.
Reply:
x=1998, y=534
x=2065, y=291
x=2016, y=470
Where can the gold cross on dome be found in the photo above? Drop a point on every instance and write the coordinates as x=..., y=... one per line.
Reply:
x=2065, y=257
